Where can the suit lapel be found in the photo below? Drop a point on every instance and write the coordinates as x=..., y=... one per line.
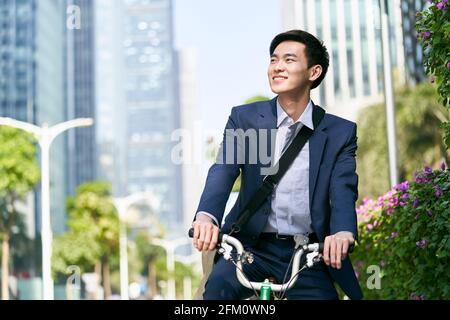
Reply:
x=268, y=116
x=316, y=146
x=267, y=119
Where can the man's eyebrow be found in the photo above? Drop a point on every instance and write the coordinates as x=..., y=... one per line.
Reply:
x=285, y=55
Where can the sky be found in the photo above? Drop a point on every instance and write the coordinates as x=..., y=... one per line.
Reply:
x=232, y=40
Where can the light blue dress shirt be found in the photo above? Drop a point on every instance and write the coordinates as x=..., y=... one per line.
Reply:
x=290, y=212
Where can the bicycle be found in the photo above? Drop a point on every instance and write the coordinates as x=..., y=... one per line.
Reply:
x=267, y=288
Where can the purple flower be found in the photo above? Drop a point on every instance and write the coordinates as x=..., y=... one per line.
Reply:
x=382, y=263
x=443, y=163
x=393, y=234
x=437, y=191
x=427, y=169
x=405, y=196
x=404, y=186
x=425, y=35
x=402, y=204
x=422, y=177
x=413, y=296
x=380, y=201
x=440, y=5
x=415, y=202
x=389, y=211
x=422, y=243
x=429, y=213
x=369, y=227
x=448, y=64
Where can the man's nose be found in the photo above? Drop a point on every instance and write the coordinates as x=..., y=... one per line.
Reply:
x=279, y=66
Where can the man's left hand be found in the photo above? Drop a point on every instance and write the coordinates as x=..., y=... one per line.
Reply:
x=336, y=248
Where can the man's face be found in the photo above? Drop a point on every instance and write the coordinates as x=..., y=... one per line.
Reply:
x=288, y=69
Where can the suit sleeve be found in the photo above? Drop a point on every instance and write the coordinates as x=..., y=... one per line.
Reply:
x=344, y=188
x=222, y=174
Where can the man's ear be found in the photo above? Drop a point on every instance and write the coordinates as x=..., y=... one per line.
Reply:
x=315, y=72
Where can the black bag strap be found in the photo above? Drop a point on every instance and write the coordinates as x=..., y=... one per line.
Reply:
x=270, y=181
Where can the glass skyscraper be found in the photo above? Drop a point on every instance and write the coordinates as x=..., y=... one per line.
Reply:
x=138, y=104
x=31, y=82
x=80, y=94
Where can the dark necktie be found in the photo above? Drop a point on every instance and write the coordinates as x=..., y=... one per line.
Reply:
x=290, y=135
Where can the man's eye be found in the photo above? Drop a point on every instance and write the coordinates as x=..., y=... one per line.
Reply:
x=289, y=60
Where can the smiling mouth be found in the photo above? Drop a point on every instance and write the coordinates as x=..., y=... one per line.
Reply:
x=279, y=78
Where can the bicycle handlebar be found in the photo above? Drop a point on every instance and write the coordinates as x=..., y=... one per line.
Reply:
x=225, y=238
x=219, y=240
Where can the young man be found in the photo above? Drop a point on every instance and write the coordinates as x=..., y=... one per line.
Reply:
x=315, y=197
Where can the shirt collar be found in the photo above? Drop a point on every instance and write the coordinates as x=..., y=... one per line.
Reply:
x=305, y=118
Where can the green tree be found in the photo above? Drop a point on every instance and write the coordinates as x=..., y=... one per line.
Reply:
x=93, y=235
x=433, y=26
x=181, y=271
x=19, y=173
x=148, y=255
x=418, y=115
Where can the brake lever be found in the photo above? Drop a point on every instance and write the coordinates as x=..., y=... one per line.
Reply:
x=312, y=258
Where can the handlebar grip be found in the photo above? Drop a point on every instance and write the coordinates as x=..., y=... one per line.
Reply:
x=350, y=248
x=321, y=245
x=191, y=235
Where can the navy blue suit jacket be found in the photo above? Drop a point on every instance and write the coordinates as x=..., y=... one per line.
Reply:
x=333, y=181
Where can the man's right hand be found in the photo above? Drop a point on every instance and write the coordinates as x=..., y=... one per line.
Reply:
x=206, y=233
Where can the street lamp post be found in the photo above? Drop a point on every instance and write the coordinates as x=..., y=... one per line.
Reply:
x=45, y=136
x=389, y=93
x=170, y=246
x=122, y=205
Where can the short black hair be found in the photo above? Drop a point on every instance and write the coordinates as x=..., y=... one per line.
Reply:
x=316, y=52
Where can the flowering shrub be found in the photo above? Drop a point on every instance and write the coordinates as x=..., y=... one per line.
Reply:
x=433, y=27
x=406, y=233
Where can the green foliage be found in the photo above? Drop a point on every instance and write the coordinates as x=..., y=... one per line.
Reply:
x=18, y=164
x=147, y=252
x=78, y=249
x=19, y=173
x=418, y=115
x=93, y=234
x=92, y=212
x=181, y=271
x=406, y=233
x=433, y=26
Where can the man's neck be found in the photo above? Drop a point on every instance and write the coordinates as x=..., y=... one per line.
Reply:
x=294, y=105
